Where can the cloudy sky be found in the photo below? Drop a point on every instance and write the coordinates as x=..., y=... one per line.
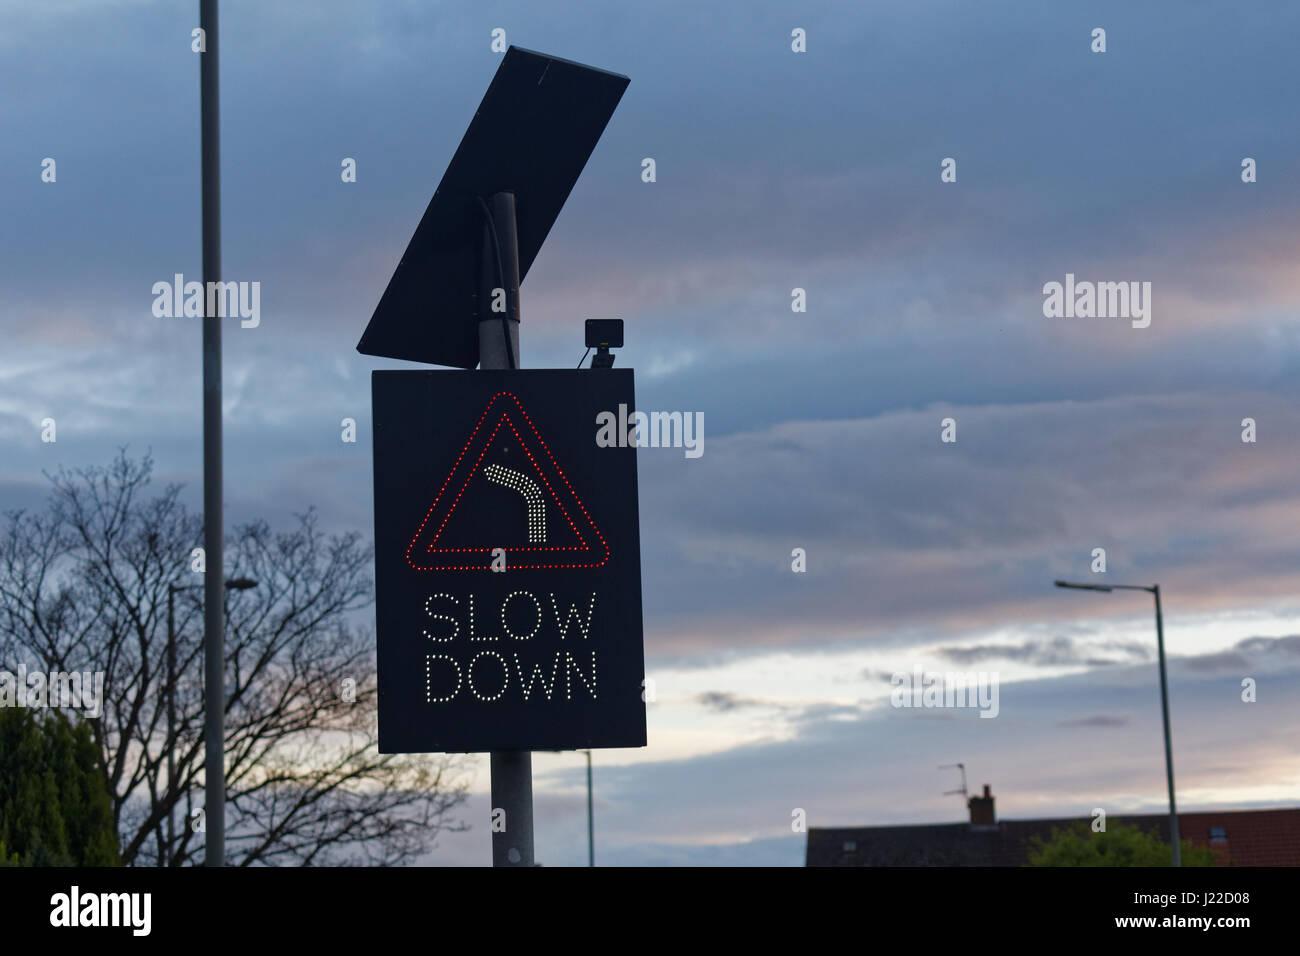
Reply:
x=775, y=170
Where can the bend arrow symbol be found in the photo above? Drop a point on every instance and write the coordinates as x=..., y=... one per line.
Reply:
x=532, y=492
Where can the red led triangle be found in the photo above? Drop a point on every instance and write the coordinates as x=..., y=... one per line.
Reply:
x=425, y=553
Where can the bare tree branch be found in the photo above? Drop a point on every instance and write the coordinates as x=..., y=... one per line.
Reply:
x=84, y=586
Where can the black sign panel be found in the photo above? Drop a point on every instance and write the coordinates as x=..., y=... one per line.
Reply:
x=508, y=562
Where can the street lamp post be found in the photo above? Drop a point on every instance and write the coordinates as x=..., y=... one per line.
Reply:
x=1164, y=697
x=591, y=825
x=231, y=584
x=171, y=712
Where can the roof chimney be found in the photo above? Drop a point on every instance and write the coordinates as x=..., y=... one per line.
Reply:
x=981, y=810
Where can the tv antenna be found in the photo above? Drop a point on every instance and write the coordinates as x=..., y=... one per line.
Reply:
x=962, y=768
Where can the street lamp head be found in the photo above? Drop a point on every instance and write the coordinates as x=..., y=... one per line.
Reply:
x=1083, y=587
x=240, y=584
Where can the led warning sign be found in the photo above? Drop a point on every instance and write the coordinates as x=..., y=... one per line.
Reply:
x=505, y=449
x=508, y=574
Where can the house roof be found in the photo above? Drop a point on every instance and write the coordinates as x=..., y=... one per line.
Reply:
x=1253, y=838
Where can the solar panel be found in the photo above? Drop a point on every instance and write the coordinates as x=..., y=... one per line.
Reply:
x=532, y=134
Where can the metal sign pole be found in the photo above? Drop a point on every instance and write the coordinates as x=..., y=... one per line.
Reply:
x=498, y=337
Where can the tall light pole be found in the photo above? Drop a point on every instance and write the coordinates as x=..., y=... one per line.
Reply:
x=214, y=783
x=1164, y=697
x=231, y=584
x=591, y=826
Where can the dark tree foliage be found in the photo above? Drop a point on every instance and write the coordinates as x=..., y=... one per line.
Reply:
x=54, y=808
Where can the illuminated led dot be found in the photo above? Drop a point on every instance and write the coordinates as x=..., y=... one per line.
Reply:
x=529, y=490
x=504, y=667
x=428, y=686
x=472, y=635
x=536, y=625
x=573, y=612
x=570, y=665
x=538, y=676
x=441, y=617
